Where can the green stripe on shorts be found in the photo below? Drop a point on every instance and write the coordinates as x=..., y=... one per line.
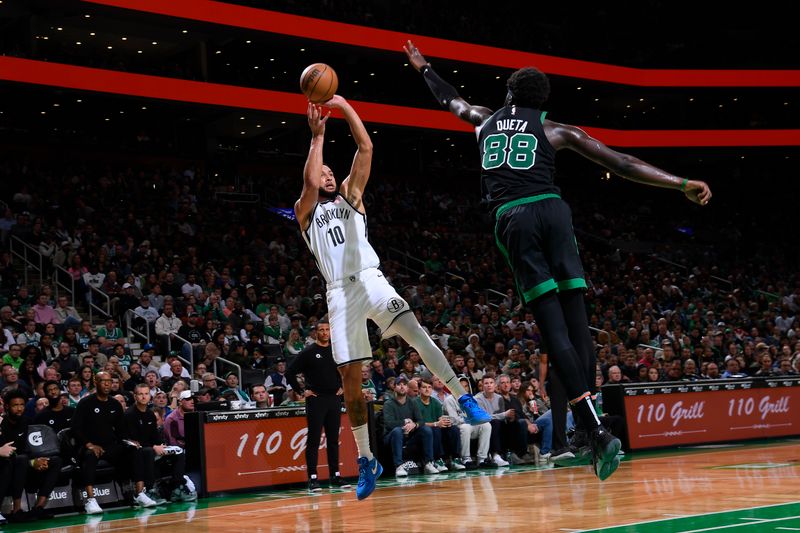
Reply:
x=521, y=201
x=542, y=288
x=574, y=283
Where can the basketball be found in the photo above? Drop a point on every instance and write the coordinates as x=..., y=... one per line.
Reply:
x=319, y=82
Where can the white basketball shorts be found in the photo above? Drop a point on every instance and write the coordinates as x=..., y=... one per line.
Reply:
x=351, y=301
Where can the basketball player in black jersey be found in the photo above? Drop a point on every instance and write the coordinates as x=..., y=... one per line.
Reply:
x=533, y=225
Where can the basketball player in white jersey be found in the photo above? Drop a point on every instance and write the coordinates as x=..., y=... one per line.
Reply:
x=334, y=225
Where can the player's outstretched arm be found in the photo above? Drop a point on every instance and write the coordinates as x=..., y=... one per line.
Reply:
x=627, y=166
x=353, y=186
x=445, y=94
x=312, y=171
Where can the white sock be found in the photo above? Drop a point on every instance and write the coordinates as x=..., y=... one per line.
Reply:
x=408, y=328
x=361, y=434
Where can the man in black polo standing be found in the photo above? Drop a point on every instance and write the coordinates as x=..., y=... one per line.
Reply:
x=323, y=390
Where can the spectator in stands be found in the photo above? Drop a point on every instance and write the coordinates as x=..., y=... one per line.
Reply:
x=273, y=333
x=143, y=430
x=379, y=375
x=128, y=301
x=157, y=299
x=446, y=437
x=174, y=432
x=12, y=382
x=29, y=336
x=258, y=393
x=109, y=335
x=176, y=374
x=191, y=288
x=232, y=384
x=199, y=370
x=210, y=383
x=14, y=356
x=146, y=359
x=203, y=395
x=493, y=404
x=712, y=371
x=136, y=377
x=467, y=432
x=99, y=427
x=732, y=369
x=17, y=469
x=146, y=316
x=165, y=370
x=75, y=391
x=403, y=427
x=276, y=383
x=615, y=375
x=86, y=375
x=765, y=368
x=167, y=327
x=67, y=315
x=44, y=312
x=85, y=334
x=516, y=428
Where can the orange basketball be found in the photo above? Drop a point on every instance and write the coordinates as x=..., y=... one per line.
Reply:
x=319, y=83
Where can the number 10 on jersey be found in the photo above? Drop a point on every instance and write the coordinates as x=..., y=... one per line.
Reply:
x=518, y=153
x=337, y=235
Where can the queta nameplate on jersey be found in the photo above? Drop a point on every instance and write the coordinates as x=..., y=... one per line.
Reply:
x=511, y=124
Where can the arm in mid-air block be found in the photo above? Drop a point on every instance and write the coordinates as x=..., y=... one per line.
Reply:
x=312, y=171
x=353, y=186
x=445, y=94
x=563, y=136
x=624, y=165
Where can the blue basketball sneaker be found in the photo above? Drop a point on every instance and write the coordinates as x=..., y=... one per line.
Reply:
x=369, y=470
x=475, y=415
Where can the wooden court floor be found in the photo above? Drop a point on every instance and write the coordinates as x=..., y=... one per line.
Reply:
x=750, y=488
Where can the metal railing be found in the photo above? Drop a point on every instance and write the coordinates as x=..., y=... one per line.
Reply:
x=230, y=363
x=106, y=312
x=133, y=332
x=59, y=273
x=405, y=260
x=179, y=353
x=494, y=292
x=190, y=363
x=29, y=255
x=599, y=332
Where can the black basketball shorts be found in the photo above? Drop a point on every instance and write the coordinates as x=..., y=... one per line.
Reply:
x=536, y=237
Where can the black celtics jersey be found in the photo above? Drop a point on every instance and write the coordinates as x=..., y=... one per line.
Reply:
x=517, y=161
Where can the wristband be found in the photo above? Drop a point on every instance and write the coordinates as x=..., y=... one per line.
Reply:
x=683, y=185
x=33, y=463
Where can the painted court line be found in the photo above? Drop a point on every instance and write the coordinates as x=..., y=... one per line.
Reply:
x=729, y=526
x=643, y=522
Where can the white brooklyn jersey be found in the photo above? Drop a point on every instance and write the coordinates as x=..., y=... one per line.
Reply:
x=337, y=236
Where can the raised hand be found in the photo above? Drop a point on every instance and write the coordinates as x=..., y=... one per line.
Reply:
x=416, y=59
x=316, y=120
x=698, y=192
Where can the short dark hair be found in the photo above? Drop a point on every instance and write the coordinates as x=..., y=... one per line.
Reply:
x=12, y=394
x=528, y=87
